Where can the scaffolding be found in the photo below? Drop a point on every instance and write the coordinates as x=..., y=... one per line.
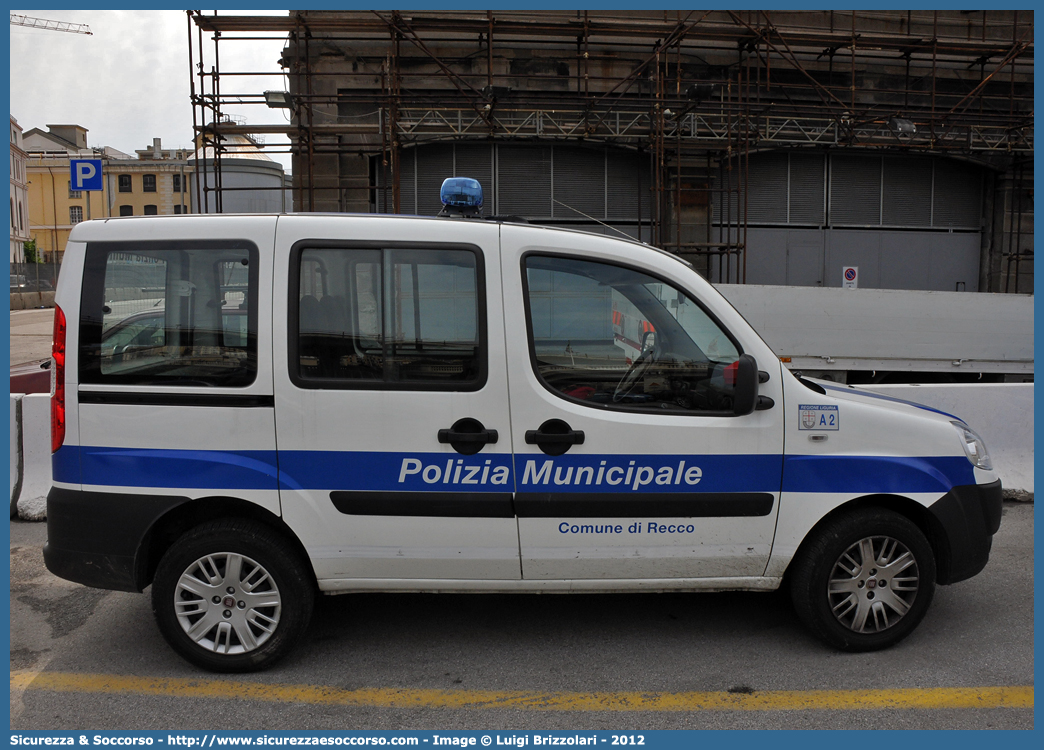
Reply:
x=695, y=92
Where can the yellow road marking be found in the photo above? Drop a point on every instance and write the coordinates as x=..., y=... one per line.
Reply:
x=1019, y=696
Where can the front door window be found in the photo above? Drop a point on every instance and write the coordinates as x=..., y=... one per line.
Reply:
x=615, y=337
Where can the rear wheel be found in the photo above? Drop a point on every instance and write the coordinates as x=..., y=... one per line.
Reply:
x=231, y=596
x=865, y=580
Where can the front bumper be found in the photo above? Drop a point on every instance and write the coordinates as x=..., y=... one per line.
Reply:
x=963, y=523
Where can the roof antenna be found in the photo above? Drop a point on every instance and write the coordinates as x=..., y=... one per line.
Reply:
x=623, y=234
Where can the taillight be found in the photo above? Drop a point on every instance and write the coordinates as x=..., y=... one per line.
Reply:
x=730, y=373
x=58, y=381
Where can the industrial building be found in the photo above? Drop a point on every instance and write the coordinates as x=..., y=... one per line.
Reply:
x=772, y=147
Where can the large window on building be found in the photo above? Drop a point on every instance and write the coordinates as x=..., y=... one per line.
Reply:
x=148, y=183
x=75, y=214
x=126, y=210
x=150, y=210
x=124, y=181
x=177, y=184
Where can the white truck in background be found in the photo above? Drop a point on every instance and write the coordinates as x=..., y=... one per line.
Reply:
x=892, y=335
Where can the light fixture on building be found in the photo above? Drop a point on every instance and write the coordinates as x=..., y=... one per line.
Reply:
x=699, y=92
x=902, y=126
x=279, y=100
x=495, y=92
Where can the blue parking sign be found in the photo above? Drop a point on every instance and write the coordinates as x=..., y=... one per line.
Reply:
x=85, y=174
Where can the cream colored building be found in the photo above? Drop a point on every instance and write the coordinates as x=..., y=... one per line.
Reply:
x=19, y=195
x=154, y=181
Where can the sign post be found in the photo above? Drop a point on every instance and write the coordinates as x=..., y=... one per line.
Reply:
x=86, y=174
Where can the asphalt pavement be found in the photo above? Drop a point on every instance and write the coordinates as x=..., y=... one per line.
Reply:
x=31, y=332
x=88, y=659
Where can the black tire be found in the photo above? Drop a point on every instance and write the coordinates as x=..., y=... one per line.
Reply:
x=261, y=610
x=861, y=606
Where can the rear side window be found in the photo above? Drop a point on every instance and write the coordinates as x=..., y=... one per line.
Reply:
x=169, y=313
x=387, y=317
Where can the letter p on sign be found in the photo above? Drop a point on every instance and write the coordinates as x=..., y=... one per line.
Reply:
x=85, y=174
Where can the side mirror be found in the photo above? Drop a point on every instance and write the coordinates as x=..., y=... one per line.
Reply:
x=745, y=393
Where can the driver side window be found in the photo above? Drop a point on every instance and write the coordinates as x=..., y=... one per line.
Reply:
x=615, y=337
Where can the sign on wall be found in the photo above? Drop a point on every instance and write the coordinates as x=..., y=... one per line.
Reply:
x=850, y=277
x=85, y=174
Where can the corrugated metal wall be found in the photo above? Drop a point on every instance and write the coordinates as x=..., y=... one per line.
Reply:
x=861, y=190
x=809, y=213
x=544, y=183
x=887, y=259
x=907, y=222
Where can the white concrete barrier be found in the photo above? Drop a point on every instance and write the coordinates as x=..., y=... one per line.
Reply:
x=1002, y=413
x=36, y=456
x=31, y=300
x=16, y=450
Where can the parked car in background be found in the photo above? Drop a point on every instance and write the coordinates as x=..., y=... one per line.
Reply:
x=21, y=283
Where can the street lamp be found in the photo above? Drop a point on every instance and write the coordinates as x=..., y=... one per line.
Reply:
x=902, y=126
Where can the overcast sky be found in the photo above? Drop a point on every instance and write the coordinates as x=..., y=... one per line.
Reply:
x=129, y=82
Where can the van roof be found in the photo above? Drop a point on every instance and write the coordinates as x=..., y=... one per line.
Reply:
x=368, y=216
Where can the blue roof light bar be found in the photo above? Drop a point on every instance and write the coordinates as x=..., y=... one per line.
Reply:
x=461, y=195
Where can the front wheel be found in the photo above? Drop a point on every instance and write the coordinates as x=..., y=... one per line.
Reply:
x=865, y=580
x=231, y=596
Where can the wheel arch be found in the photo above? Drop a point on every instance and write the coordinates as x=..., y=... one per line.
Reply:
x=178, y=520
x=903, y=506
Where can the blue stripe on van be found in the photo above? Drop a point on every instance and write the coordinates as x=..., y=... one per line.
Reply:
x=380, y=471
x=152, y=467
x=573, y=472
x=426, y=472
x=875, y=474
x=65, y=464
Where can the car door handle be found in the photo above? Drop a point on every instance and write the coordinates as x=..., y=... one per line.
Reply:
x=554, y=437
x=453, y=436
x=467, y=436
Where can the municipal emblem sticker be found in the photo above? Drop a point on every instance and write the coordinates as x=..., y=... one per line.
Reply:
x=818, y=417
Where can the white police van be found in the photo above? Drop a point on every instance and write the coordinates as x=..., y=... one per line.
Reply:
x=248, y=410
